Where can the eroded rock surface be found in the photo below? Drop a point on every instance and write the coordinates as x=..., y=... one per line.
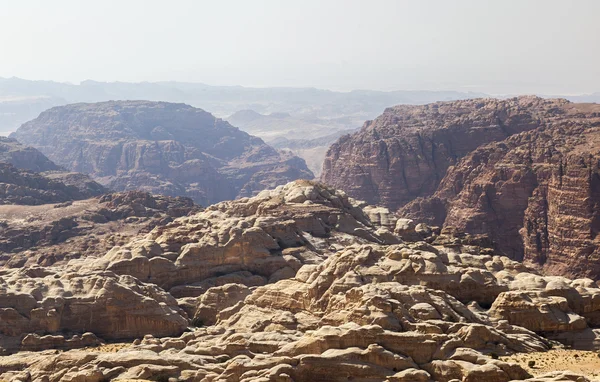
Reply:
x=294, y=284
x=55, y=233
x=251, y=241
x=535, y=194
x=38, y=300
x=162, y=148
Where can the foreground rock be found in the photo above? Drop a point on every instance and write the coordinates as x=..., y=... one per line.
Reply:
x=295, y=284
x=251, y=241
x=162, y=148
x=38, y=300
x=360, y=313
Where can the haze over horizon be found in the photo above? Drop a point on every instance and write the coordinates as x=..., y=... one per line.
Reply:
x=543, y=47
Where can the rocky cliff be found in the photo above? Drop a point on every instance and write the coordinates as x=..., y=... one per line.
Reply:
x=169, y=149
x=27, y=177
x=536, y=194
x=23, y=157
x=405, y=153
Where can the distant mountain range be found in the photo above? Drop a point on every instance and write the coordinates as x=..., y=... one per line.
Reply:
x=22, y=100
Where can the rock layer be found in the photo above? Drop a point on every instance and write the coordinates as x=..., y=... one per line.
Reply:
x=536, y=194
x=170, y=149
x=404, y=153
x=294, y=284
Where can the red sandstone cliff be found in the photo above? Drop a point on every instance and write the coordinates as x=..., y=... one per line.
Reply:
x=536, y=194
x=524, y=171
x=404, y=153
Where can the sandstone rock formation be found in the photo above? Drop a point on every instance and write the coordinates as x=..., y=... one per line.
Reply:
x=295, y=284
x=250, y=241
x=162, y=148
x=56, y=233
x=360, y=313
x=536, y=194
x=23, y=157
x=41, y=300
x=404, y=153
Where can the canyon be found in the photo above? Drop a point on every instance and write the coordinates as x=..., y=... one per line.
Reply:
x=301, y=281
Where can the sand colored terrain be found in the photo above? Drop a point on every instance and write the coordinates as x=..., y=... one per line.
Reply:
x=586, y=363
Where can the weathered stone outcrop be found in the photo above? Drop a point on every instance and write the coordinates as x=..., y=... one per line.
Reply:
x=162, y=148
x=300, y=283
x=360, y=313
x=43, y=300
x=404, y=153
x=536, y=195
x=251, y=241
x=52, y=234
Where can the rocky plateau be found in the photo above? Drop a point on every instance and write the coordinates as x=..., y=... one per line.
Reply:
x=161, y=148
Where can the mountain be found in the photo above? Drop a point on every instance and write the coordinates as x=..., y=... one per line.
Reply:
x=536, y=194
x=159, y=147
x=405, y=152
x=22, y=100
x=294, y=284
x=521, y=171
x=27, y=177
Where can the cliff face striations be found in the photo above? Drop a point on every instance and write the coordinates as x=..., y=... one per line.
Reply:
x=404, y=153
x=536, y=194
x=171, y=149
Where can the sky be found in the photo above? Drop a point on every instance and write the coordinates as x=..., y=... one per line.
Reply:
x=494, y=46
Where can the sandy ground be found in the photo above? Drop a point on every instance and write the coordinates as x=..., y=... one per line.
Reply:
x=578, y=361
x=109, y=348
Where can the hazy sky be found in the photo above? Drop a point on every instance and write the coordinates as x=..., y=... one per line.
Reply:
x=485, y=45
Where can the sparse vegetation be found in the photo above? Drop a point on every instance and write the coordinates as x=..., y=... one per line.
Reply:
x=197, y=322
